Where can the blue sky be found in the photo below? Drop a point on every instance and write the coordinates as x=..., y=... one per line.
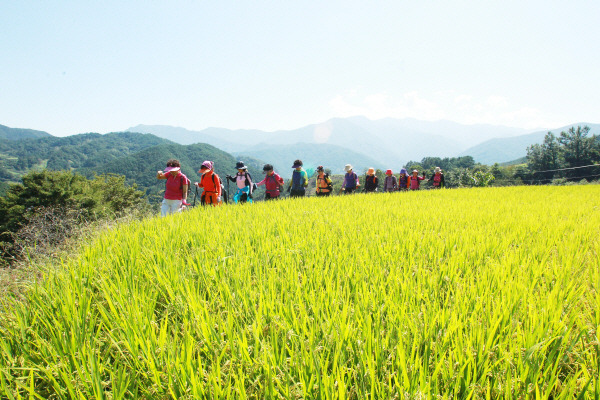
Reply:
x=81, y=66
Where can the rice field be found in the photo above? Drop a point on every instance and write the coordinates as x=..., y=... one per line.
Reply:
x=452, y=294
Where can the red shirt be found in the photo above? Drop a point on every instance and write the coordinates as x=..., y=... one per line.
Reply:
x=173, y=188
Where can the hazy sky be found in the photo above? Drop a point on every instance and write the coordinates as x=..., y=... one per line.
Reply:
x=88, y=66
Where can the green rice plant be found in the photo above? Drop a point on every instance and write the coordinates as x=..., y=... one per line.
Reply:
x=450, y=294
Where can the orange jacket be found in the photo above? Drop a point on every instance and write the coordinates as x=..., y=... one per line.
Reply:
x=211, y=183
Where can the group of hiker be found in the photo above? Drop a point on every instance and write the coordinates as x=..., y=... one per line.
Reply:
x=176, y=188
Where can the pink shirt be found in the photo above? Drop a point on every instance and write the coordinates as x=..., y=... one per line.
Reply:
x=173, y=188
x=272, y=183
x=414, y=182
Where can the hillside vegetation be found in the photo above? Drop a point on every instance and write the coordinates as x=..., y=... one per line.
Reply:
x=136, y=156
x=467, y=293
x=20, y=134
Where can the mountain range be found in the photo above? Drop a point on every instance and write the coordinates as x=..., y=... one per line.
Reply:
x=389, y=141
x=503, y=150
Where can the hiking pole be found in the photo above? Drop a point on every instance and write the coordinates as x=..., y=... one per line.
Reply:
x=195, y=194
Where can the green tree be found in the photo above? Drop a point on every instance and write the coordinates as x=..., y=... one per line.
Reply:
x=579, y=150
x=104, y=196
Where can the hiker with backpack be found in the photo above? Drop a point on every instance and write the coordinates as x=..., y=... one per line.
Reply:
x=243, y=180
x=211, y=184
x=415, y=180
x=324, y=186
x=176, y=188
x=437, y=179
x=371, y=181
x=273, y=183
x=299, y=181
x=403, y=180
x=390, y=184
x=351, y=182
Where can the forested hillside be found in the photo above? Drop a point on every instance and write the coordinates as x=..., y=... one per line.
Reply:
x=20, y=134
x=137, y=156
x=140, y=168
x=87, y=150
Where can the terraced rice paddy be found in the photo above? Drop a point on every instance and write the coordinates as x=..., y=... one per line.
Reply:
x=453, y=294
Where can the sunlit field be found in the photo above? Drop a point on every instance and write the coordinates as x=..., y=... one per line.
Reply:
x=451, y=294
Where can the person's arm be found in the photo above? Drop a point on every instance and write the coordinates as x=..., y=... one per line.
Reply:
x=357, y=181
x=161, y=175
x=262, y=182
x=280, y=180
x=305, y=179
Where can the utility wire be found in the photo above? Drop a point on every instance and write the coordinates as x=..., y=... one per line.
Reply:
x=565, y=169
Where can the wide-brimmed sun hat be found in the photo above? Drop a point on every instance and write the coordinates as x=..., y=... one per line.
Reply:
x=371, y=171
x=348, y=168
x=404, y=171
x=240, y=165
x=389, y=172
x=438, y=169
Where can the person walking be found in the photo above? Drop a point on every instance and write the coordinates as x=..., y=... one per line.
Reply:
x=243, y=181
x=437, y=179
x=210, y=183
x=351, y=182
x=390, y=184
x=415, y=180
x=299, y=181
x=273, y=183
x=403, y=180
x=176, y=188
x=324, y=185
x=371, y=181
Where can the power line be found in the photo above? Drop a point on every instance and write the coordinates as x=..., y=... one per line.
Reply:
x=565, y=169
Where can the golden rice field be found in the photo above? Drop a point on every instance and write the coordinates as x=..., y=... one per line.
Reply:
x=453, y=294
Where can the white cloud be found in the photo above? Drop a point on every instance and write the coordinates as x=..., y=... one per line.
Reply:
x=459, y=107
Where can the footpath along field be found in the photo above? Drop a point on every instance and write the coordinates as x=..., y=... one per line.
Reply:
x=467, y=293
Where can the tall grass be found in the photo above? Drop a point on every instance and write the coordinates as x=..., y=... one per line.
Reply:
x=472, y=293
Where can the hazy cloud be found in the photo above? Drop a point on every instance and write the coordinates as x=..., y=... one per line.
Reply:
x=460, y=107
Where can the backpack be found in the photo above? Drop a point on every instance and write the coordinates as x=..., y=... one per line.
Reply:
x=329, y=184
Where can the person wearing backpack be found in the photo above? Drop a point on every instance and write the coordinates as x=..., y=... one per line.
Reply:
x=273, y=183
x=211, y=184
x=371, y=181
x=415, y=180
x=437, y=179
x=351, y=182
x=403, y=180
x=390, y=184
x=299, y=181
x=324, y=187
x=176, y=188
x=243, y=180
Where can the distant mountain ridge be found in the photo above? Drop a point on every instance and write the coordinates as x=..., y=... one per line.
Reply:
x=390, y=141
x=330, y=156
x=20, y=134
x=502, y=150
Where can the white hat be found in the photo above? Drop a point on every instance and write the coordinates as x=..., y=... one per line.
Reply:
x=348, y=168
x=438, y=169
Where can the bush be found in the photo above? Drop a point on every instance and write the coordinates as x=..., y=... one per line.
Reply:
x=47, y=207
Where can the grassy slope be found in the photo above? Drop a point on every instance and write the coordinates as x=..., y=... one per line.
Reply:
x=462, y=292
